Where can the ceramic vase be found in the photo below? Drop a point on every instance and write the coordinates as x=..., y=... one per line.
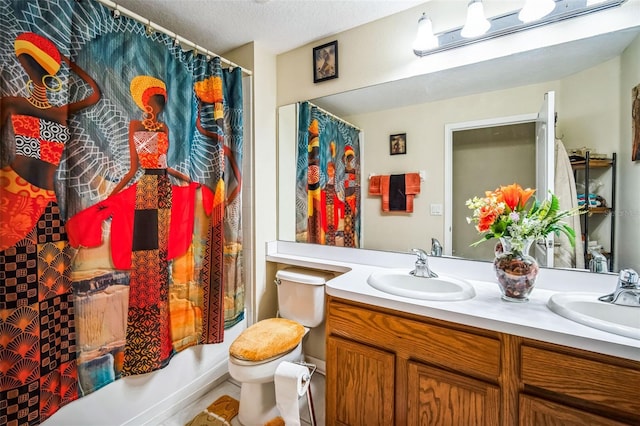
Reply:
x=516, y=271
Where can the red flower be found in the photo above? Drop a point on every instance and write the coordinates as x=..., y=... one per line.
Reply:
x=514, y=196
x=487, y=215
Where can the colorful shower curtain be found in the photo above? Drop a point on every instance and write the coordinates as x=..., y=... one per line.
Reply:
x=328, y=179
x=120, y=183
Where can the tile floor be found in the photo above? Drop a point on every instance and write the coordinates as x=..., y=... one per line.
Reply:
x=232, y=388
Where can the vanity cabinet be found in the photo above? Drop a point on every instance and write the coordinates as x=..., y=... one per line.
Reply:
x=366, y=375
x=386, y=367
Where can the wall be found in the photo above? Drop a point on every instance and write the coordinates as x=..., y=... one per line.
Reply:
x=483, y=159
x=424, y=125
x=264, y=184
x=380, y=51
x=629, y=201
x=589, y=116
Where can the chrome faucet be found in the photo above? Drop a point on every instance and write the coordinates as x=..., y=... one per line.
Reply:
x=598, y=262
x=627, y=291
x=436, y=248
x=422, y=265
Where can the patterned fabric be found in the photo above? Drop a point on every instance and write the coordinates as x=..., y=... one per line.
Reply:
x=148, y=339
x=39, y=138
x=37, y=334
x=155, y=271
x=85, y=229
x=328, y=179
x=152, y=149
x=233, y=272
x=23, y=203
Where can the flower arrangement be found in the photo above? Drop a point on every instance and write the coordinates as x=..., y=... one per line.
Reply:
x=508, y=212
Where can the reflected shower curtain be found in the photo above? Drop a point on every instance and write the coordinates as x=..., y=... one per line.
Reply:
x=328, y=179
x=120, y=183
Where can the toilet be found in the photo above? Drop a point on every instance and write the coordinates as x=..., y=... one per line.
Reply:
x=258, y=350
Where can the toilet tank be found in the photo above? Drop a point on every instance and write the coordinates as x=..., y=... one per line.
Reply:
x=301, y=295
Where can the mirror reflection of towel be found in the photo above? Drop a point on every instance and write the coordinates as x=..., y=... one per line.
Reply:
x=397, y=191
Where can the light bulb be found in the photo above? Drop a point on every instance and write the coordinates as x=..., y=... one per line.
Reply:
x=476, y=24
x=425, y=40
x=536, y=9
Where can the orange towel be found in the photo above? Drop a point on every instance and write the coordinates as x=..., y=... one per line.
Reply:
x=412, y=183
x=374, y=185
x=411, y=188
x=384, y=191
x=379, y=185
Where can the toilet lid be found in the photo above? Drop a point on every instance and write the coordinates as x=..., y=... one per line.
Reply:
x=267, y=339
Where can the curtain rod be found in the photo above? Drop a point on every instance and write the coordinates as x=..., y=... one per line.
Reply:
x=155, y=27
x=334, y=116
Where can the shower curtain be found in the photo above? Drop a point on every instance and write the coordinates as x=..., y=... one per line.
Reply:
x=120, y=183
x=327, y=179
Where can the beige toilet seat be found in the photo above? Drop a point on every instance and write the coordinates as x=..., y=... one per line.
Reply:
x=266, y=340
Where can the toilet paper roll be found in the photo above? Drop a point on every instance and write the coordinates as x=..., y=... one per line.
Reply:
x=291, y=382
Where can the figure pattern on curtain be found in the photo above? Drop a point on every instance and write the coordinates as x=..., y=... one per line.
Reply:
x=328, y=179
x=120, y=176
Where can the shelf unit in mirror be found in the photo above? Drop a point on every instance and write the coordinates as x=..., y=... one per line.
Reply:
x=584, y=170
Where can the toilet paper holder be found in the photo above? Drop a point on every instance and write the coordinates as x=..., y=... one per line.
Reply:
x=312, y=369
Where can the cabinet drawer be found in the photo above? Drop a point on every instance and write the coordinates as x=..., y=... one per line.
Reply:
x=536, y=411
x=466, y=352
x=597, y=382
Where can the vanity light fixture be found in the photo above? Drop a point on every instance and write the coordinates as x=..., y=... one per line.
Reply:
x=427, y=43
x=425, y=40
x=536, y=9
x=477, y=24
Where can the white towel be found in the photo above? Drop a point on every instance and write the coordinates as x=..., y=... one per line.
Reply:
x=565, y=256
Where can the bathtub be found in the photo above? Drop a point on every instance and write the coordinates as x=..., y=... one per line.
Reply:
x=150, y=398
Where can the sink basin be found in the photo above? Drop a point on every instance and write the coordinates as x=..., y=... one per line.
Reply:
x=586, y=309
x=401, y=283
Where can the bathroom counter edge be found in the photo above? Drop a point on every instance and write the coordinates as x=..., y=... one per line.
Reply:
x=486, y=310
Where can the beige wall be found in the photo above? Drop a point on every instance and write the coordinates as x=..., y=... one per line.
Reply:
x=381, y=51
x=629, y=193
x=425, y=128
x=483, y=159
x=576, y=97
x=259, y=184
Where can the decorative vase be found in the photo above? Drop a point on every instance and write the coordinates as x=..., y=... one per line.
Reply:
x=515, y=269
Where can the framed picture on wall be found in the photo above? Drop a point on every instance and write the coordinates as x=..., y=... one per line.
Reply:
x=398, y=144
x=325, y=62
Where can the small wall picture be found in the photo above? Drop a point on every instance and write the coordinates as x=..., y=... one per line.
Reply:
x=325, y=62
x=398, y=144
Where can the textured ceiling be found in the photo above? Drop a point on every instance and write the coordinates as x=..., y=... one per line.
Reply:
x=282, y=25
x=278, y=25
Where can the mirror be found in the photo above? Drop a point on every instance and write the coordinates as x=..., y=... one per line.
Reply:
x=585, y=74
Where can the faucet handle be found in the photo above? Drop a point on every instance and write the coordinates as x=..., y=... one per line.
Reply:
x=628, y=278
x=422, y=255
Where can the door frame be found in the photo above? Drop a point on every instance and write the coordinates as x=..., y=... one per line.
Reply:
x=448, y=163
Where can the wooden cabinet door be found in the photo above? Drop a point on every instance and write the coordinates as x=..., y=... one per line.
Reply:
x=536, y=411
x=360, y=384
x=438, y=397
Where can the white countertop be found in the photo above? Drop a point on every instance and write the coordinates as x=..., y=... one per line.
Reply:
x=486, y=310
